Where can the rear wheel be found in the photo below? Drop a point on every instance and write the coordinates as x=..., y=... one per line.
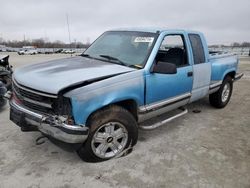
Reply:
x=113, y=131
x=220, y=98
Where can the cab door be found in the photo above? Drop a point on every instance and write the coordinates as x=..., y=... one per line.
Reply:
x=169, y=91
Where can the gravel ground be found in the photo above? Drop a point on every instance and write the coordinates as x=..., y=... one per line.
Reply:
x=207, y=149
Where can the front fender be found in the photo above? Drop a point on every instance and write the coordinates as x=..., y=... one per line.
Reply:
x=90, y=98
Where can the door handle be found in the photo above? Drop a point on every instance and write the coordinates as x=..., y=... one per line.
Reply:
x=190, y=74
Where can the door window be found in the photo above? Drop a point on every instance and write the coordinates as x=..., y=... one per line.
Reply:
x=173, y=50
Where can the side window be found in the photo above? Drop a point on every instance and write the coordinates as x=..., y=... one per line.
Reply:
x=173, y=50
x=197, y=48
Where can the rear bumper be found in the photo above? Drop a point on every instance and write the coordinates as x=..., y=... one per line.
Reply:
x=49, y=125
x=238, y=76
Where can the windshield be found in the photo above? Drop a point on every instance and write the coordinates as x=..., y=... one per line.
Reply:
x=127, y=48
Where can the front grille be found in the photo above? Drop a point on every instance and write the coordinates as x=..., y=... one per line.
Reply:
x=32, y=96
x=38, y=108
x=33, y=100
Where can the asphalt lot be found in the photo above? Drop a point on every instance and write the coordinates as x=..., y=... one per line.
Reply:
x=207, y=149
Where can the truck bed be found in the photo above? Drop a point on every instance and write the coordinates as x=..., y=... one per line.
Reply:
x=222, y=63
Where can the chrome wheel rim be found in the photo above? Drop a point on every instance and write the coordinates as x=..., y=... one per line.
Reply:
x=109, y=140
x=225, y=92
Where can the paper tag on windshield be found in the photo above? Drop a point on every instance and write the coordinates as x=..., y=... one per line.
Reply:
x=144, y=39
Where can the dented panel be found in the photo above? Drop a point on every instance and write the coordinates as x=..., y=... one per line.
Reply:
x=56, y=75
x=87, y=99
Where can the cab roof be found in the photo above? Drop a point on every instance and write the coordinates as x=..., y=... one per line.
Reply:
x=152, y=29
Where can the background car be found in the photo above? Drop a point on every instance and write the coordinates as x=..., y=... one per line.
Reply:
x=68, y=51
x=28, y=52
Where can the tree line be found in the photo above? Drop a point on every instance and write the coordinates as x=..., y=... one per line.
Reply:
x=243, y=44
x=41, y=43
x=234, y=44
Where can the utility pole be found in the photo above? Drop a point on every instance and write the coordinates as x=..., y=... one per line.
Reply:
x=1, y=38
x=24, y=41
x=75, y=42
x=68, y=31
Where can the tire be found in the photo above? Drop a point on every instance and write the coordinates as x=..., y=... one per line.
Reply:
x=220, y=98
x=3, y=90
x=110, y=124
x=7, y=81
x=3, y=102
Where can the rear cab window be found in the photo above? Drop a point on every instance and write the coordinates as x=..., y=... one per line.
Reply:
x=197, y=48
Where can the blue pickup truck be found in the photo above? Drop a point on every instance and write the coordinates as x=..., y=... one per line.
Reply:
x=127, y=77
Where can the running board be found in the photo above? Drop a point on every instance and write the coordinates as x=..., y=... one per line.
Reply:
x=162, y=122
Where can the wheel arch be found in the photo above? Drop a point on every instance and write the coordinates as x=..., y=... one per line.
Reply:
x=231, y=74
x=129, y=104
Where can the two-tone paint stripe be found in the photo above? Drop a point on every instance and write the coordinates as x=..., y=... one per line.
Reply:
x=164, y=103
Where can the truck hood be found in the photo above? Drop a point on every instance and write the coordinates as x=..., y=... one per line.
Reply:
x=54, y=76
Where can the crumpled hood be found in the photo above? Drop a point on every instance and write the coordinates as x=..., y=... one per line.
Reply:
x=53, y=76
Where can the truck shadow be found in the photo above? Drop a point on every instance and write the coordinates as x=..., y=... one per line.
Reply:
x=64, y=146
x=3, y=107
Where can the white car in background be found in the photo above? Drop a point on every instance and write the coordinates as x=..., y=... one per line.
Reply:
x=68, y=51
x=28, y=52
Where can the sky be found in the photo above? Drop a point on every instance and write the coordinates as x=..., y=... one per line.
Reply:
x=222, y=21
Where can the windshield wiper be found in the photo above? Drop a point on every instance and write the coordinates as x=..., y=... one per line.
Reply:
x=118, y=61
x=135, y=66
x=114, y=60
x=86, y=55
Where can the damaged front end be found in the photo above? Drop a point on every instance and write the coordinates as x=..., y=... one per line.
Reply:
x=47, y=113
x=3, y=90
x=5, y=78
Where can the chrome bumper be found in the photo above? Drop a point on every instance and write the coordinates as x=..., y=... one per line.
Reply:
x=49, y=125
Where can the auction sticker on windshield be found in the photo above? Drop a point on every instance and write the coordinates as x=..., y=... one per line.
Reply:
x=144, y=39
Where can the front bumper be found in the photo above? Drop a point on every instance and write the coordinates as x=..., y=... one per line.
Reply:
x=49, y=125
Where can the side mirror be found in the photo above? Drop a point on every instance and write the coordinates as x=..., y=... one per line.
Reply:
x=4, y=60
x=164, y=68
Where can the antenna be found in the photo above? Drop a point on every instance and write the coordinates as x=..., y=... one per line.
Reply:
x=69, y=32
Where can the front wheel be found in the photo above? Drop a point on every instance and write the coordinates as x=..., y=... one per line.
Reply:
x=113, y=130
x=220, y=98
